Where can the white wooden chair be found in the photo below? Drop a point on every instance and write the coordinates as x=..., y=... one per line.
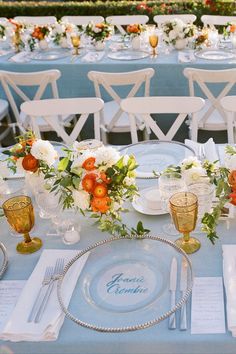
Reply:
x=187, y=18
x=4, y=113
x=3, y=19
x=229, y=105
x=145, y=106
x=213, y=116
x=213, y=20
x=82, y=20
x=37, y=20
x=15, y=84
x=51, y=108
x=112, y=117
x=124, y=20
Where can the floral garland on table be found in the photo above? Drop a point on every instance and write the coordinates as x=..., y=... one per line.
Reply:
x=98, y=32
x=176, y=30
x=224, y=179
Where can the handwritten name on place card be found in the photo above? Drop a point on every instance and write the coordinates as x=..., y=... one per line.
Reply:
x=207, y=315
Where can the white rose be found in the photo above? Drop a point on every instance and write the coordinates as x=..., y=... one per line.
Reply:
x=230, y=162
x=43, y=150
x=107, y=156
x=116, y=206
x=194, y=174
x=96, y=29
x=129, y=181
x=81, y=199
x=190, y=161
x=172, y=35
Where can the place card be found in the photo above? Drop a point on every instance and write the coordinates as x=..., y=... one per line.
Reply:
x=9, y=293
x=207, y=314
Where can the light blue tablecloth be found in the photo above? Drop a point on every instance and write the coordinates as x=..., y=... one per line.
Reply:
x=158, y=339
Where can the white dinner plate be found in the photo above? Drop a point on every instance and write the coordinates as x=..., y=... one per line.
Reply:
x=140, y=205
x=128, y=55
x=214, y=54
x=51, y=54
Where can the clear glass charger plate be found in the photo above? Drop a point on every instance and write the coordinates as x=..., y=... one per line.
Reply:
x=3, y=259
x=51, y=54
x=156, y=155
x=128, y=55
x=124, y=285
x=214, y=54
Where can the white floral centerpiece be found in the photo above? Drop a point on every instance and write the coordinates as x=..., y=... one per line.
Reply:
x=223, y=178
x=178, y=33
x=98, y=33
x=61, y=32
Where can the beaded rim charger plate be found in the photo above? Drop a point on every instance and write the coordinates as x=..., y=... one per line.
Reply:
x=214, y=54
x=51, y=54
x=124, y=285
x=3, y=259
x=128, y=55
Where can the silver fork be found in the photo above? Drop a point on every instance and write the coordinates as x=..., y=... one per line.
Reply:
x=58, y=269
x=41, y=293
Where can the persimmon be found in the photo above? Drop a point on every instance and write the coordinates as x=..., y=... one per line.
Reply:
x=88, y=164
x=101, y=205
x=100, y=190
x=30, y=163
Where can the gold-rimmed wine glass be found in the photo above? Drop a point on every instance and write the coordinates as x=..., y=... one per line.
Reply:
x=153, y=41
x=75, y=40
x=184, y=211
x=20, y=215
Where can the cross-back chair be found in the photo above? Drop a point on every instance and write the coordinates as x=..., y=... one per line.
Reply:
x=124, y=20
x=217, y=20
x=37, y=20
x=229, y=105
x=113, y=119
x=213, y=116
x=82, y=20
x=64, y=106
x=145, y=106
x=187, y=18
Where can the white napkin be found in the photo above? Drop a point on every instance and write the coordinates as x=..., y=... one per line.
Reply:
x=229, y=274
x=209, y=149
x=17, y=328
x=92, y=57
x=186, y=57
x=22, y=57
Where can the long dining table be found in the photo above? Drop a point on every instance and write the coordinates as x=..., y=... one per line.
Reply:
x=158, y=339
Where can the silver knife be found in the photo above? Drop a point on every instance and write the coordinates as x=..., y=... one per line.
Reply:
x=183, y=287
x=173, y=283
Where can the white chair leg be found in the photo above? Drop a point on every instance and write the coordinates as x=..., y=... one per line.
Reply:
x=230, y=127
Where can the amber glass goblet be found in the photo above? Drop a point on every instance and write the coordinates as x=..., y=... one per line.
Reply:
x=184, y=211
x=75, y=40
x=20, y=215
x=153, y=41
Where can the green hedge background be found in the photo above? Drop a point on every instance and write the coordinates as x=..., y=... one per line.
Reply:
x=106, y=8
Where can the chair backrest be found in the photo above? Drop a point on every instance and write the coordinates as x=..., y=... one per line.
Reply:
x=212, y=20
x=82, y=20
x=145, y=106
x=205, y=77
x=124, y=20
x=187, y=18
x=229, y=105
x=14, y=84
x=37, y=20
x=108, y=81
x=49, y=109
x=3, y=19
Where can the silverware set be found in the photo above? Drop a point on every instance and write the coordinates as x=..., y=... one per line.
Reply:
x=50, y=276
x=182, y=288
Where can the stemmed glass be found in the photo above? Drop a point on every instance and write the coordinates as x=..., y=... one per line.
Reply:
x=20, y=215
x=170, y=183
x=75, y=40
x=153, y=41
x=184, y=209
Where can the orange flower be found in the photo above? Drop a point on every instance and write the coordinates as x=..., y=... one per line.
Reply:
x=104, y=178
x=30, y=163
x=88, y=182
x=232, y=28
x=232, y=196
x=99, y=25
x=232, y=180
x=101, y=205
x=100, y=190
x=133, y=28
x=88, y=164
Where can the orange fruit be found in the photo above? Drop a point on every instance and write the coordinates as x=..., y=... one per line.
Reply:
x=88, y=164
x=30, y=163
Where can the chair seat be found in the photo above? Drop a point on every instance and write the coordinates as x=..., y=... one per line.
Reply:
x=43, y=126
x=215, y=120
x=4, y=107
x=122, y=124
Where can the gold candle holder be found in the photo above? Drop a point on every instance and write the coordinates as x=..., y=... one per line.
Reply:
x=184, y=211
x=20, y=215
